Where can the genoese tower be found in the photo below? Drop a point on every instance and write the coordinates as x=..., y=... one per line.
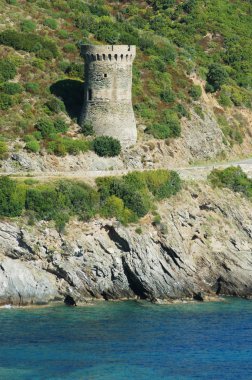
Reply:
x=107, y=91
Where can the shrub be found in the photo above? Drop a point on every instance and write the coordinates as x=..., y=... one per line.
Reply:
x=167, y=95
x=3, y=149
x=46, y=127
x=162, y=183
x=216, y=76
x=47, y=202
x=11, y=88
x=62, y=146
x=27, y=26
x=51, y=23
x=195, y=92
x=44, y=54
x=233, y=178
x=108, y=34
x=27, y=41
x=159, y=131
x=60, y=125
x=75, y=70
x=87, y=129
x=12, y=197
x=33, y=88
x=181, y=110
x=81, y=198
x=7, y=70
x=170, y=127
x=114, y=207
x=55, y=105
x=106, y=146
x=63, y=33
x=69, y=48
x=6, y=101
x=172, y=121
x=32, y=146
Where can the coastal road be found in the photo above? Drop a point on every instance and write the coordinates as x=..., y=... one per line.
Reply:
x=199, y=172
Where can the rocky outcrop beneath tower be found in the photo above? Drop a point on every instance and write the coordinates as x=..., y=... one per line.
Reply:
x=107, y=92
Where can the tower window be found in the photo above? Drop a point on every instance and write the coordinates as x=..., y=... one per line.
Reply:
x=105, y=75
x=90, y=94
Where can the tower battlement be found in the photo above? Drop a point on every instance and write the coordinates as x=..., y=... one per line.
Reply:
x=107, y=91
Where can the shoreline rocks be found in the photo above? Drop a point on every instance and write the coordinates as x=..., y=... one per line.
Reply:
x=204, y=251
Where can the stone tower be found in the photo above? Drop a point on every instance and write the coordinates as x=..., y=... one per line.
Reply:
x=107, y=91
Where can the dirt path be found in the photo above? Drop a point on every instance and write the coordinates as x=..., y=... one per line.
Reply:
x=188, y=173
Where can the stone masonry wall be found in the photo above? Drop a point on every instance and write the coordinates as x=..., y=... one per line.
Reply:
x=107, y=94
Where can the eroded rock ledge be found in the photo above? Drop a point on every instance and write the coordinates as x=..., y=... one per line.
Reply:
x=202, y=246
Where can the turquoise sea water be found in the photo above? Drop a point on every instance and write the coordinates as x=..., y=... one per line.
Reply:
x=128, y=340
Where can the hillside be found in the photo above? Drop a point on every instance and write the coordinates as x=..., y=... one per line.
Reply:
x=191, y=90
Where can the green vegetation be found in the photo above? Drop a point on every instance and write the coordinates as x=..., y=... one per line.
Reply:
x=7, y=70
x=195, y=92
x=11, y=88
x=12, y=197
x=106, y=146
x=39, y=45
x=42, y=47
x=233, y=178
x=216, y=77
x=63, y=145
x=126, y=198
x=170, y=127
x=3, y=149
x=33, y=146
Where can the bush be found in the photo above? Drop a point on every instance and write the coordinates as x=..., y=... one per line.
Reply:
x=81, y=198
x=136, y=190
x=47, y=202
x=167, y=96
x=51, y=23
x=106, y=146
x=114, y=207
x=172, y=121
x=62, y=146
x=159, y=131
x=60, y=125
x=32, y=146
x=46, y=127
x=170, y=127
x=28, y=42
x=11, y=88
x=107, y=34
x=32, y=88
x=3, y=149
x=7, y=70
x=6, y=101
x=216, y=76
x=45, y=54
x=12, y=197
x=233, y=178
x=195, y=92
x=27, y=26
x=69, y=48
x=75, y=70
x=162, y=183
x=87, y=130
x=55, y=105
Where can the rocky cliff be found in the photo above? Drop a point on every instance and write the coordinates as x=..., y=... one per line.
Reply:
x=203, y=245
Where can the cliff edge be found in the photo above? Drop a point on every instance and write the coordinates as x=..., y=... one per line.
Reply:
x=201, y=246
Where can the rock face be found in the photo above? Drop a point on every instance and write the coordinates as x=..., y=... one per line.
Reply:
x=202, y=246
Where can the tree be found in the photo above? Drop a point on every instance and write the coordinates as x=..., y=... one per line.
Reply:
x=216, y=76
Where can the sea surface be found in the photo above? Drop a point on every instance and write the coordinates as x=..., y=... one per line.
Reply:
x=128, y=340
